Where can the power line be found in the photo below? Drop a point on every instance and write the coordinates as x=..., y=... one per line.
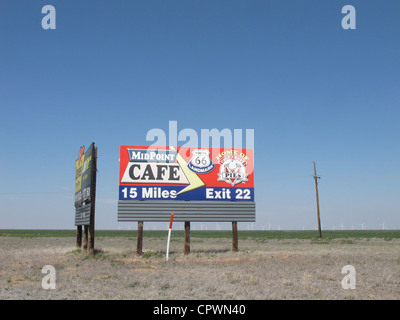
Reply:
x=48, y=192
x=33, y=193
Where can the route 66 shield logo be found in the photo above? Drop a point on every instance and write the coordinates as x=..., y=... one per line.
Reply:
x=201, y=162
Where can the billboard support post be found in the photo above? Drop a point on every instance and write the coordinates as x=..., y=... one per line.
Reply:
x=85, y=237
x=139, y=249
x=235, y=246
x=79, y=237
x=187, y=237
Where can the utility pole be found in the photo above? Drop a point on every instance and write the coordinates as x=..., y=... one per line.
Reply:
x=316, y=192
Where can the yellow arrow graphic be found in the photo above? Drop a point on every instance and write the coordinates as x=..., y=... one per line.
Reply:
x=194, y=180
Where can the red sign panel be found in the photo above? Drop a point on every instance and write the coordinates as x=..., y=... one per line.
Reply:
x=183, y=173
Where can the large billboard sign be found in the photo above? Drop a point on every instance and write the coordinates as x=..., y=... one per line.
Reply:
x=183, y=173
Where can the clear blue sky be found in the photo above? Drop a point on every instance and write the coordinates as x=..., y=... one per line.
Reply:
x=113, y=70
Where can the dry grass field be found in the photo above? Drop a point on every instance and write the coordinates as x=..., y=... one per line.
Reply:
x=266, y=269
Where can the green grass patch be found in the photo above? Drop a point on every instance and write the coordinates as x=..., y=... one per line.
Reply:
x=152, y=254
x=26, y=233
x=260, y=235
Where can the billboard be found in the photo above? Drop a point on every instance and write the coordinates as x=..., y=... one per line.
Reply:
x=85, y=168
x=183, y=173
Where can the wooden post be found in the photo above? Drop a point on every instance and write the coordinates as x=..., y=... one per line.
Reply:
x=139, y=248
x=90, y=232
x=187, y=237
x=316, y=192
x=92, y=203
x=235, y=241
x=79, y=237
x=85, y=237
x=91, y=239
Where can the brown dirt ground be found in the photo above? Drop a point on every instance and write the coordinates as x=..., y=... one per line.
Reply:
x=266, y=270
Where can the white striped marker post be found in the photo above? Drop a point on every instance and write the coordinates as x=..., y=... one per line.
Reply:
x=169, y=233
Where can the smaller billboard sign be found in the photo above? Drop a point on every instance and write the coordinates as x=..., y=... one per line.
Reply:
x=84, y=173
